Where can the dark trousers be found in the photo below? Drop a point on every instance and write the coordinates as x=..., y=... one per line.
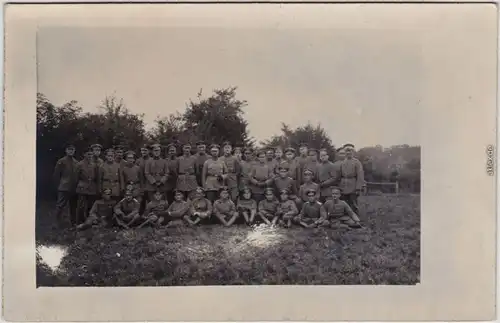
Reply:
x=84, y=204
x=258, y=197
x=352, y=200
x=63, y=199
x=212, y=196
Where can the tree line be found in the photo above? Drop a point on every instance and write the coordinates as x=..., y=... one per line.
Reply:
x=215, y=118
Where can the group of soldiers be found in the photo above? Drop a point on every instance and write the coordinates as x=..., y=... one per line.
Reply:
x=273, y=186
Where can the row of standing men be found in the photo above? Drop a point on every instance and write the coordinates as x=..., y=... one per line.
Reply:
x=80, y=183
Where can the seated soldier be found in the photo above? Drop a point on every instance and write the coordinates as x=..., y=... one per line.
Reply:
x=306, y=187
x=101, y=212
x=338, y=212
x=246, y=206
x=127, y=210
x=287, y=209
x=224, y=208
x=268, y=207
x=310, y=214
x=156, y=210
x=200, y=208
x=177, y=211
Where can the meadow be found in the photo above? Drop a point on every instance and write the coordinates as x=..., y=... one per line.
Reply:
x=386, y=251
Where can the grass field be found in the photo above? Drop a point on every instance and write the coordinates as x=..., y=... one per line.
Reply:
x=385, y=251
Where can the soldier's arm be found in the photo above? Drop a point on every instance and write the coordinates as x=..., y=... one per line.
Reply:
x=323, y=213
x=204, y=174
x=118, y=208
x=350, y=212
x=294, y=211
x=360, y=178
x=137, y=206
x=56, y=176
x=149, y=208
x=331, y=178
x=209, y=209
x=93, y=210
x=270, y=176
x=252, y=177
x=166, y=171
x=147, y=172
x=122, y=178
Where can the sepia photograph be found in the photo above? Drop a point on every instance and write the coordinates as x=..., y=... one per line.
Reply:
x=250, y=162
x=227, y=157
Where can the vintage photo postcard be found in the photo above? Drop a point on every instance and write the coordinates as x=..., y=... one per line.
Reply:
x=246, y=162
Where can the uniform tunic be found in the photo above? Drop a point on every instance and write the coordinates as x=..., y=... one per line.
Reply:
x=351, y=173
x=285, y=183
x=336, y=169
x=64, y=174
x=337, y=210
x=226, y=208
x=201, y=205
x=304, y=188
x=158, y=208
x=211, y=170
x=200, y=161
x=246, y=205
x=311, y=210
x=110, y=178
x=172, y=164
x=99, y=161
x=288, y=208
x=141, y=162
x=156, y=174
x=268, y=208
x=101, y=209
x=300, y=162
x=327, y=176
x=314, y=167
x=131, y=175
x=178, y=209
x=233, y=171
x=246, y=169
x=262, y=173
x=87, y=178
x=186, y=173
x=128, y=207
x=277, y=163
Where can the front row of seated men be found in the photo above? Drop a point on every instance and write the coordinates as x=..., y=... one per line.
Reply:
x=333, y=213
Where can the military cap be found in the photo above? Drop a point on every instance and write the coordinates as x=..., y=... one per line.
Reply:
x=186, y=145
x=246, y=189
x=283, y=166
x=247, y=149
x=226, y=143
x=130, y=152
x=170, y=146
x=110, y=150
x=176, y=192
x=95, y=146
x=214, y=146
x=290, y=149
x=106, y=191
x=88, y=152
x=153, y=146
x=348, y=146
x=284, y=191
x=335, y=188
x=224, y=189
x=235, y=149
x=70, y=146
x=200, y=190
x=200, y=143
x=261, y=152
x=311, y=192
x=118, y=147
x=268, y=190
x=146, y=146
x=129, y=189
x=303, y=144
x=340, y=149
x=308, y=171
x=313, y=150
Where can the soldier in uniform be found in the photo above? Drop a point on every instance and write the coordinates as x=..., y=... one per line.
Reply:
x=292, y=165
x=287, y=209
x=87, y=183
x=339, y=158
x=351, y=178
x=246, y=206
x=172, y=164
x=267, y=209
x=186, y=172
x=261, y=176
x=178, y=211
x=306, y=187
x=245, y=168
x=141, y=162
x=200, y=208
x=270, y=158
x=338, y=212
x=310, y=215
x=127, y=211
x=119, y=155
x=278, y=159
x=312, y=163
x=157, y=172
x=301, y=161
x=109, y=175
x=131, y=176
x=156, y=210
x=213, y=174
x=224, y=209
x=64, y=178
x=233, y=171
x=101, y=212
x=201, y=157
x=285, y=182
x=327, y=176
x=96, y=150
x=238, y=153
x=248, y=156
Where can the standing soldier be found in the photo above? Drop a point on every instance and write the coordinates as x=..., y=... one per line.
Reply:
x=238, y=153
x=96, y=151
x=213, y=174
x=261, y=177
x=245, y=168
x=312, y=164
x=291, y=163
x=157, y=172
x=141, y=162
x=301, y=161
x=172, y=164
x=278, y=159
x=186, y=172
x=201, y=157
x=270, y=158
x=87, y=177
x=119, y=155
x=233, y=171
x=109, y=176
x=131, y=177
x=327, y=176
x=351, y=178
x=64, y=178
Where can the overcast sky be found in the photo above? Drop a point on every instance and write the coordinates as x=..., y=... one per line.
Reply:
x=363, y=86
